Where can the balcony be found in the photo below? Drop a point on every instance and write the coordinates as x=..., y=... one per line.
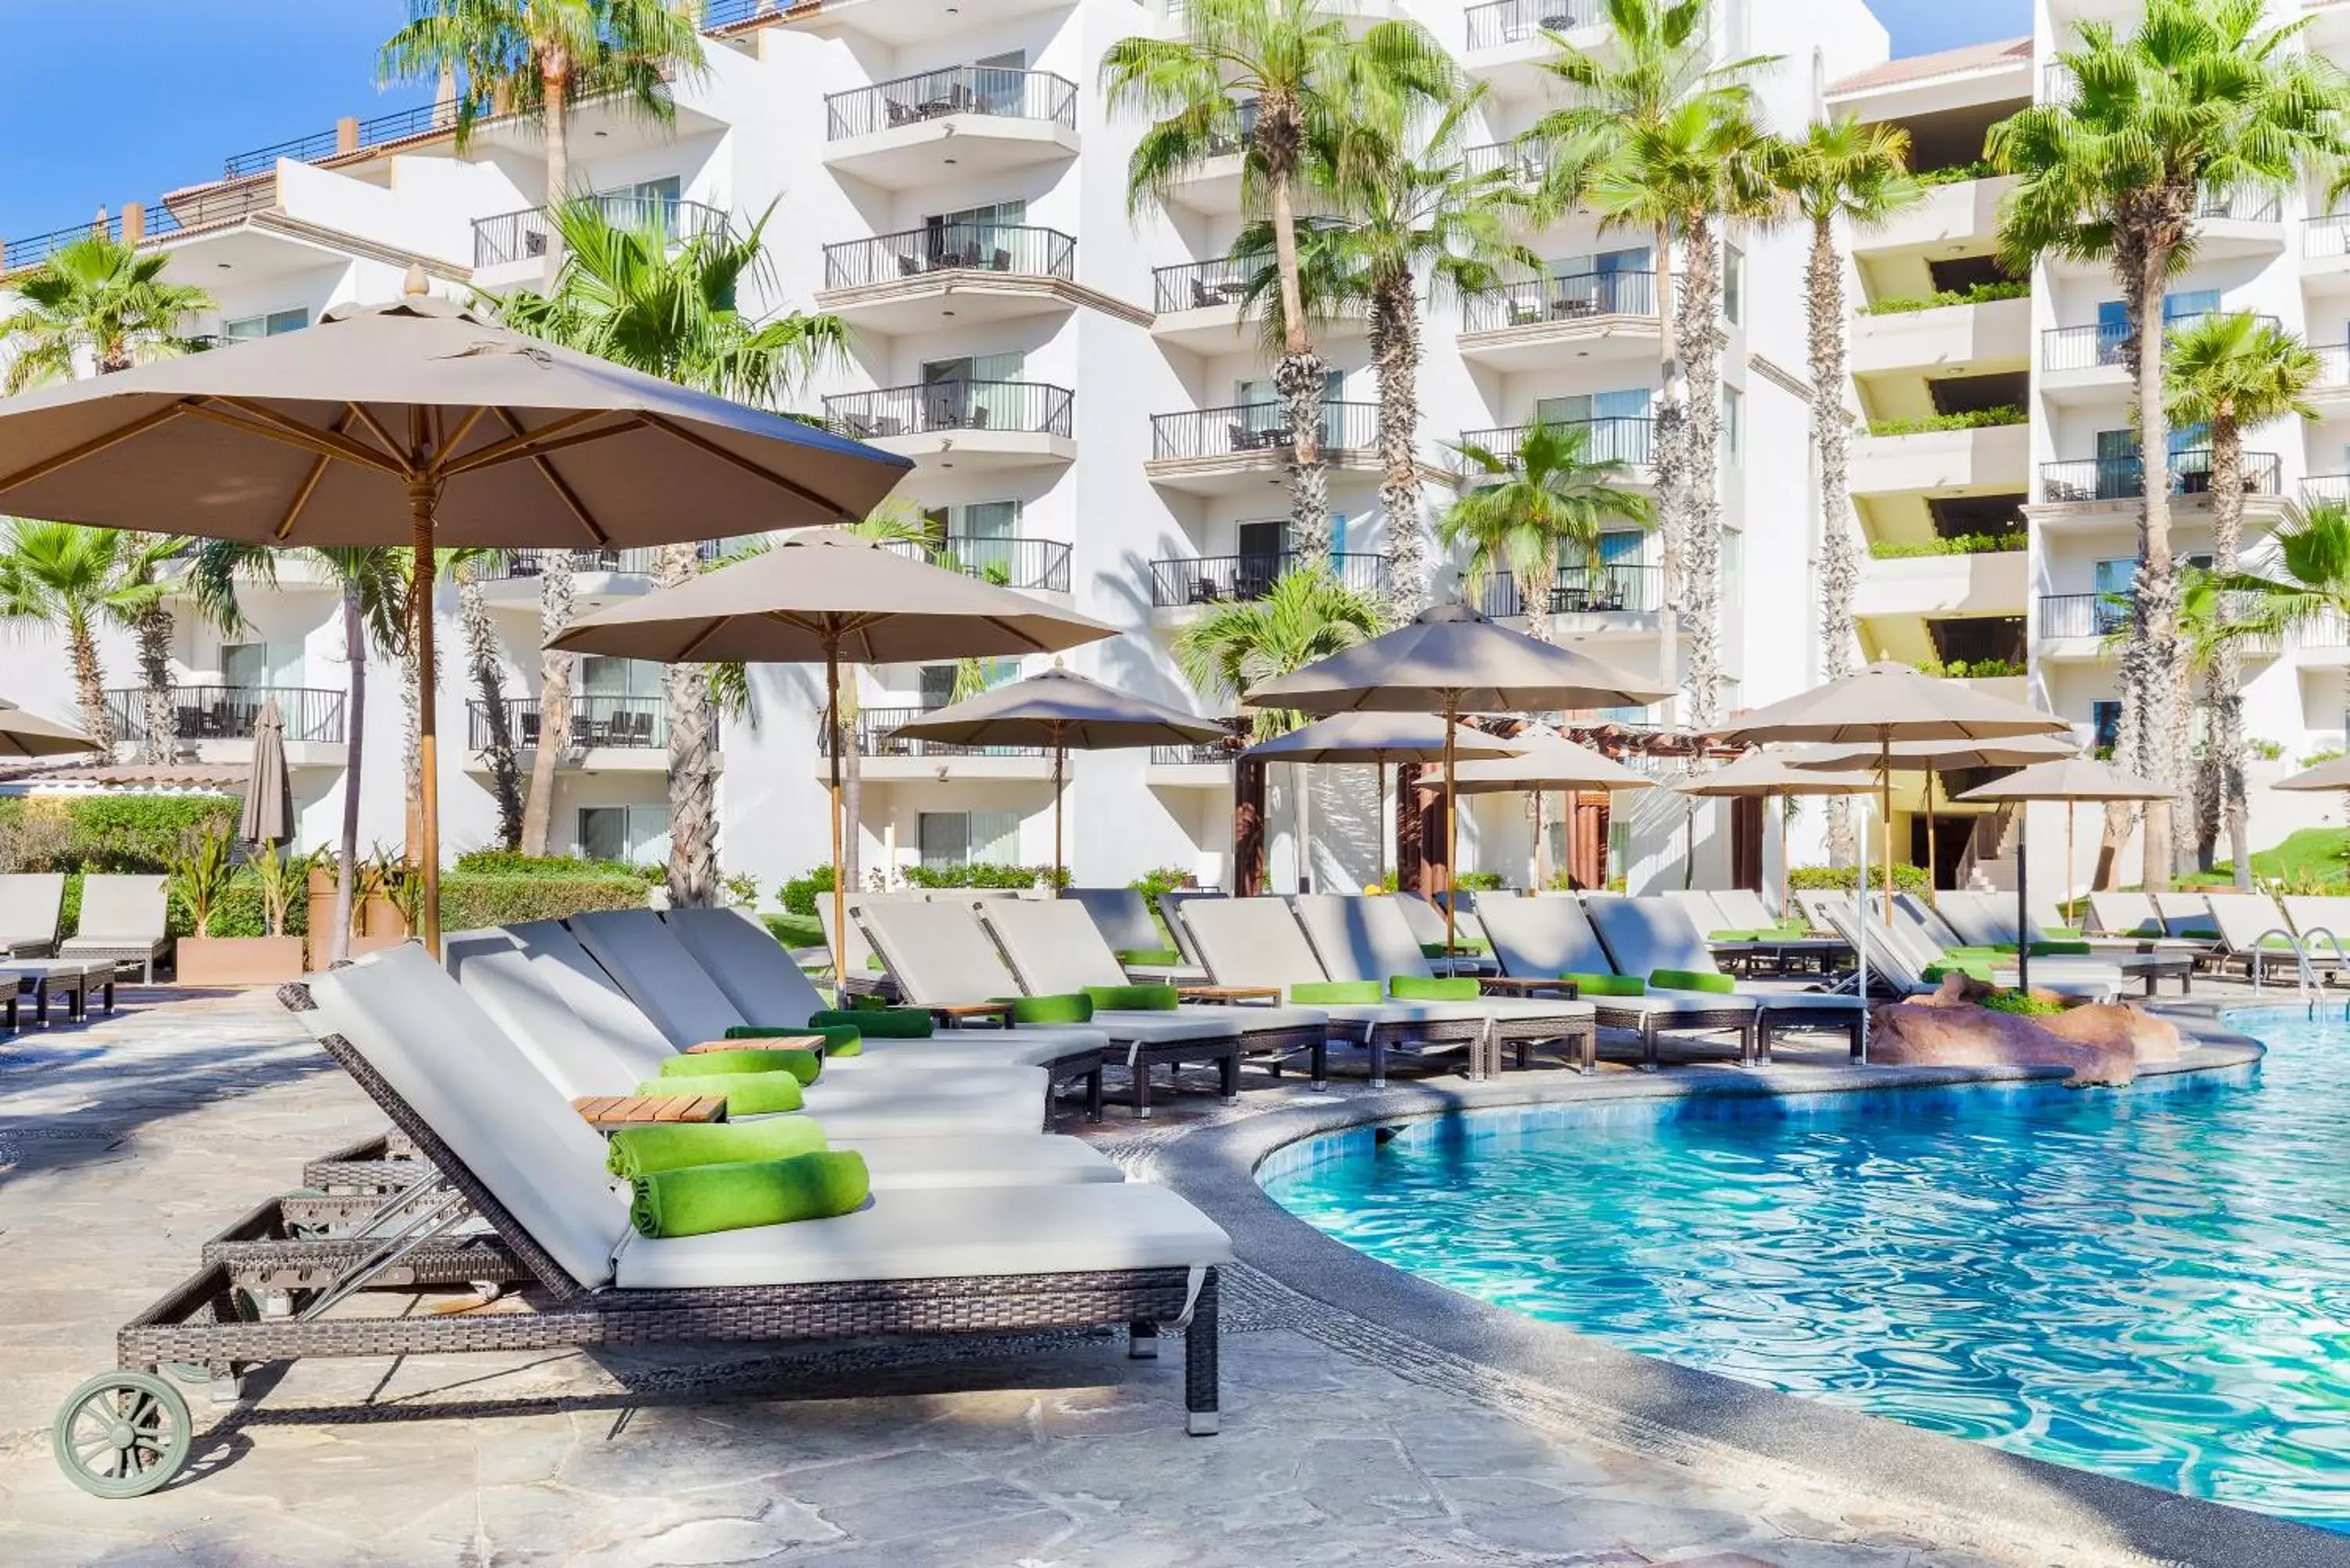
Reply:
x=2095, y=479
x=1991, y=583
x=919, y=279
x=1627, y=595
x=960, y=123
x=1987, y=458
x=1185, y=581
x=2333, y=383
x=896, y=23
x=887, y=758
x=2088, y=363
x=1962, y=215
x=1624, y=439
x=2079, y=627
x=2318, y=488
x=2326, y=254
x=1232, y=451
x=1524, y=326
x=1526, y=163
x=525, y=235
x=1506, y=46
x=1990, y=336
x=975, y=425
x=1207, y=765
x=185, y=213
x=216, y=723
x=598, y=577
x=622, y=734
x=1035, y=566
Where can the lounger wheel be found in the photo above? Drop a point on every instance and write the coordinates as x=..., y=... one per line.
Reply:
x=122, y=1434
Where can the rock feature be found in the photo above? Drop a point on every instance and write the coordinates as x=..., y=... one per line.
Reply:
x=2099, y=1043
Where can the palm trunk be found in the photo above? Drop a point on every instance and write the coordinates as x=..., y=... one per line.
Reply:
x=555, y=78
x=1395, y=353
x=1701, y=336
x=411, y=695
x=1537, y=587
x=554, y=671
x=90, y=690
x=489, y=686
x=153, y=630
x=1831, y=434
x=347, y=848
x=852, y=784
x=2226, y=747
x=1667, y=439
x=2151, y=659
x=693, y=777
x=1298, y=378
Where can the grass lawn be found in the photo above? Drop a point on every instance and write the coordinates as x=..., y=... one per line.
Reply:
x=2313, y=855
x=795, y=931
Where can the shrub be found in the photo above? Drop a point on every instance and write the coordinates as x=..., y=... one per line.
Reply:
x=566, y=867
x=2021, y=1002
x=470, y=898
x=2266, y=751
x=1160, y=879
x=981, y=874
x=1977, y=293
x=1906, y=878
x=1947, y=544
x=1478, y=881
x=1975, y=670
x=2322, y=755
x=799, y=893
x=1958, y=173
x=1971, y=419
x=124, y=833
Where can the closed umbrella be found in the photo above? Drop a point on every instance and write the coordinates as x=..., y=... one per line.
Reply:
x=1061, y=710
x=818, y=597
x=1451, y=661
x=2071, y=780
x=268, y=816
x=26, y=735
x=420, y=423
x=1758, y=774
x=1378, y=739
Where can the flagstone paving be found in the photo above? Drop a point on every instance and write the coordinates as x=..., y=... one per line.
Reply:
x=125, y=1144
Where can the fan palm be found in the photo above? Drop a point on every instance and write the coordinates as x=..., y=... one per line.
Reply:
x=1841, y=172
x=1262, y=78
x=2308, y=590
x=1533, y=505
x=2201, y=98
x=72, y=579
x=2226, y=372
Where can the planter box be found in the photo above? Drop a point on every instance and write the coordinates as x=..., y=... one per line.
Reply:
x=238, y=961
x=379, y=924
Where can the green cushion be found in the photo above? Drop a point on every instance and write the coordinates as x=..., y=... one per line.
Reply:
x=1432, y=987
x=877, y=1023
x=2060, y=949
x=1459, y=945
x=840, y=1039
x=1074, y=1008
x=1762, y=934
x=746, y=1093
x=2061, y=933
x=1337, y=992
x=695, y=1200
x=801, y=1064
x=1587, y=984
x=1689, y=980
x=1159, y=958
x=1134, y=998
x=633, y=1151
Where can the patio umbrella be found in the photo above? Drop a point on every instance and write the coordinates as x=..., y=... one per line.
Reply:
x=1451, y=661
x=2332, y=775
x=1061, y=708
x=2071, y=780
x=24, y=734
x=1758, y=774
x=1546, y=761
x=815, y=598
x=419, y=423
x=268, y=816
x=1378, y=739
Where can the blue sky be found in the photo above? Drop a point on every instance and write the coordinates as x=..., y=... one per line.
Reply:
x=109, y=101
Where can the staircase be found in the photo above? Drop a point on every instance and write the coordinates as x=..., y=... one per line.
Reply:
x=1989, y=863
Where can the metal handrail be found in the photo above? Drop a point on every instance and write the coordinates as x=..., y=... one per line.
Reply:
x=597, y=723
x=1242, y=430
x=2099, y=344
x=1503, y=22
x=525, y=235
x=1038, y=565
x=1012, y=248
x=2124, y=478
x=1032, y=407
x=1204, y=286
x=1003, y=91
x=2326, y=236
x=1614, y=438
x=637, y=560
x=2341, y=958
x=1181, y=580
x=873, y=738
x=232, y=713
x=1612, y=589
x=1562, y=299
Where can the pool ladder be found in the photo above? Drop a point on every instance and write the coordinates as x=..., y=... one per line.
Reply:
x=2307, y=986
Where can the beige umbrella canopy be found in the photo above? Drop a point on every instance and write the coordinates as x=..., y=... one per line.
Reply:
x=419, y=423
x=24, y=734
x=1933, y=758
x=1451, y=661
x=818, y=597
x=2332, y=775
x=1061, y=708
x=268, y=815
x=1543, y=761
x=1758, y=774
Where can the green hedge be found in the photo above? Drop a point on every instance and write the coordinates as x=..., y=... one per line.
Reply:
x=563, y=868
x=979, y=874
x=799, y=893
x=1971, y=419
x=1907, y=877
x=470, y=898
x=1976, y=293
x=1948, y=545
x=106, y=833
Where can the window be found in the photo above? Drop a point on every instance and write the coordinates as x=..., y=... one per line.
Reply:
x=961, y=838
x=603, y=676
x=636, y=833
x=244, y=664
x=1733, y=426
x=1733, y=284
x=269, y=326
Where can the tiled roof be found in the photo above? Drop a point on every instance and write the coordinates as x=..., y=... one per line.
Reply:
x=167, y=776
x=1949, y=62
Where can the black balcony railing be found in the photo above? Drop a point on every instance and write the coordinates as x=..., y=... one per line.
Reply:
x=637, y=561
x=2106, y=343
x=874, y=739
x=1218, y=752
x=2328, y=236
x=1626, y=439
x=1037, y=565
x=1203, y=286
x=952, y=247
x=1576, y=297
x=1628, y=587
x=1001, y=92
x=230, y=712
x=2083, y=614
x=1214, y=579
x=1029, y=405
x=398, y=126
x=1244, y=429
x=2124, y=478
x=525, y=235
x=1505, y=22
x=624, y=723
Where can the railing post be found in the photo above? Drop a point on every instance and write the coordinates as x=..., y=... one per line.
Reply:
x=347, y=135
x=134, y=222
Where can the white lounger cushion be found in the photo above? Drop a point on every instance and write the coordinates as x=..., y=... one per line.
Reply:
x=902, y=1164
x=1741, y=909
x=122, y=907
x=988, y=1099
x=1121, y=916
x=508, y=985
x=1542, y=939
x=1077, y=1228
x=746, y=964
x=32, y=904
x=1248, y=941
x=1699, y=907
x=1054, y=946
x=647, y=960
x=1360, y=939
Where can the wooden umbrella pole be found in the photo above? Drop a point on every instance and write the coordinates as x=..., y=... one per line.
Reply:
x=1782, y=859
x=423, y=497
x=1884, y=829
x=1451, y=839
x=840, y=894
x=1379, y=822
x=1060, y=760
x=1933, y=854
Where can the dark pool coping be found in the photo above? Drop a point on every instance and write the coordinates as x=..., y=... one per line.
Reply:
x=1215, y=1168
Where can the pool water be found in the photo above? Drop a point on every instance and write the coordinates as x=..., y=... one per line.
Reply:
x=2151, y=1282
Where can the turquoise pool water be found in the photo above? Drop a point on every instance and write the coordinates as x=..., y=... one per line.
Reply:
x=2151, y=1282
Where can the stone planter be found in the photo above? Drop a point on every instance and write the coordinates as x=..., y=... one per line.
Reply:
x=238, y=961
x=377, y=923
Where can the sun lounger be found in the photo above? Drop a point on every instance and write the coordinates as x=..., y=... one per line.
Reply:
x=32, y=904
x=1900, y=956
x=1702, y=911
x=1537, y=940
x=943, y=957
x=122, y=919
x=1988, y=920
x=1055, y=949
x=1743, y=909
x=968, y=1259
x=2255, y=933
x=2321, y=922
x=2185, y=914
x=64, y=981
x=1170, y=907
x=1648, y=937
x=1424, y=918
x=1122, y=915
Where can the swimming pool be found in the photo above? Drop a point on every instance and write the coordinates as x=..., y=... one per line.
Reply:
x=2153, y=1282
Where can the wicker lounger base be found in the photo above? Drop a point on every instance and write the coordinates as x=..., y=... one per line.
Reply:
x=1141, y=1056
x=1579, y=1038
x=1271, y=1048
x=143, y=954
x=286, y=1249
x=1778, y=1020
x=1651, y=1026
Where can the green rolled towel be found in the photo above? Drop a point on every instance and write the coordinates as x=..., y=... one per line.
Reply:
x=1157, y=958
x=1070, y=1008
x=695, y=1199
x=801, y=1064
x=1459, y=945
x=840, y=1039
x=664, y=1146
x=1689, y=980
x=746, y=1093
x=1337, y=992
x=878, y=1022
x=1587, y=984
x=1432, y=987
x=1760, y=934
x=2061, y=933
x=1134, y=998
x=2060, y=949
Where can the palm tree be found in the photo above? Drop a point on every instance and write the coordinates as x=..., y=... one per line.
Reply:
x=2201, y=98
x=1263, y=77
x=1841, y=170
x=2227, y=372
x=2308, y=590
x=374, y=589
x=71, y=578
x=531, y=57
x=1658, y=137
x=644, y=298
x=471, y=568
x=1533, y=505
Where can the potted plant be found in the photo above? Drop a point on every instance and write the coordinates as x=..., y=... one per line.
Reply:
x=399, y=884
x=201, y=879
